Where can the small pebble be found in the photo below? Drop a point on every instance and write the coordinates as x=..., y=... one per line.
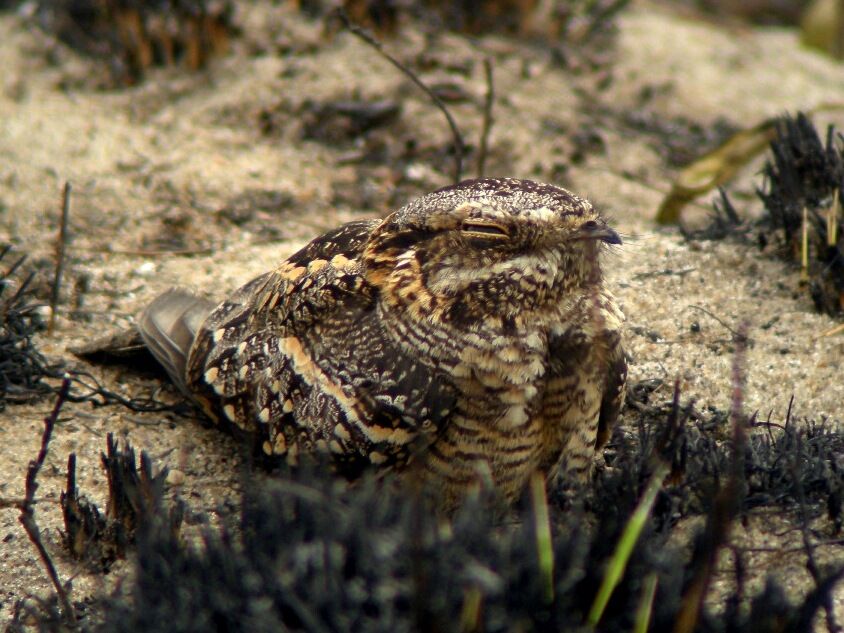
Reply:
x=175, y=477
x=145, y=270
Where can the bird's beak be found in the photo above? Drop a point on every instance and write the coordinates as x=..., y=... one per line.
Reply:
x=600, y=232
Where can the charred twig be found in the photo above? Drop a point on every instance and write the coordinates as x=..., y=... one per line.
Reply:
x=739, y=576
x=27, y=516
x=487, y=124
x=14, y=267
x=16, y=502
x=820, y=596
x=455, y=132
x=665, y=272
x=738, y=336
x=145, y=405
x=61, y=244
x=180, y=252
x=790, y=550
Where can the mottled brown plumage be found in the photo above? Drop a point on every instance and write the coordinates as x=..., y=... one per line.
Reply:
x=469, y=332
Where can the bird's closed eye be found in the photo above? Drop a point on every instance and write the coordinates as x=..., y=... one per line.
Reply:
x=484, y=229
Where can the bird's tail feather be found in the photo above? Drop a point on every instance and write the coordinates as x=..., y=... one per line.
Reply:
x=168, y=327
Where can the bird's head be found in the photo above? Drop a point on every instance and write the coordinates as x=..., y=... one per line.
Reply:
x=487, y=247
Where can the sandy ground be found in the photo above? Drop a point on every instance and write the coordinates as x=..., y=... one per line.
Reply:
x=215, y=164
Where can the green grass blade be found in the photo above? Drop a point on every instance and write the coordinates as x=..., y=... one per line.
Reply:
x=544, y=546
x=643, y=613
x=618, y=562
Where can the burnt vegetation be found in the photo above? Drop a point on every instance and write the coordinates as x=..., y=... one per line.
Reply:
x=306, y=552
x=802, y=194
x=802, y=190
x=133, y=37
x=23, y=368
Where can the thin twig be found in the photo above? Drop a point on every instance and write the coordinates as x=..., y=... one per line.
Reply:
x=739, y=573
x=141, y=405
x=27, y=516
x=738, y=337
x=791, y=550
x=369, y=39
x=487, y=124
x=61, y=244
x=14, y=266
x=16, y=503
x=180, y=252
x=665, y=272
x=804, y=248
x=835, y=330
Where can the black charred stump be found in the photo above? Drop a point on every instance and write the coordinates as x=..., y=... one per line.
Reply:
x=135, y=499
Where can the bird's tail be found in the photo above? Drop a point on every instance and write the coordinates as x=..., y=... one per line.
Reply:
x=168, y=327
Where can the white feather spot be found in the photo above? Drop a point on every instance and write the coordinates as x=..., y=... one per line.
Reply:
x=316, y=265
x=514, y=417
x=339, y=261
x=543, y=214
x=341, y=432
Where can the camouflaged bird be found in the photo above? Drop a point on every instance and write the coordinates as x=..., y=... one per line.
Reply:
x=469, y=332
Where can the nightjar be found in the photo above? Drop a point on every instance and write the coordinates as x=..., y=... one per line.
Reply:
x=469, y=333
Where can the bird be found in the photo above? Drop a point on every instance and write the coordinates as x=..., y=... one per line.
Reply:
x=468, y=337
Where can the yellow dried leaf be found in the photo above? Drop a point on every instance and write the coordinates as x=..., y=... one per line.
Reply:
x=715, y=168
x=822, y=27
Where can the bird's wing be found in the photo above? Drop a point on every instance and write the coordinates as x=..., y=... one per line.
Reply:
x=300, y=356
x=614, y=388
